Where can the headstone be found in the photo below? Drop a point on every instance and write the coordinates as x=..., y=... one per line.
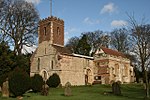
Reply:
x=45, y=89
x=19, y=97
x=116, y=90
x=68, y=89
x=5, y=89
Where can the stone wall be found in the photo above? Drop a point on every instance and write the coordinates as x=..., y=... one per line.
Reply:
x=79, y=70
x=114, y=69
x=47, y=59
x=51, y=29
x=73, y=69
x=70, y=68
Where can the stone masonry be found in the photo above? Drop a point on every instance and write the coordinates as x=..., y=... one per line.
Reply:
x=52, y=57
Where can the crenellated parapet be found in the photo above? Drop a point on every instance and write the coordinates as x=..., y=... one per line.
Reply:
x=52, y=18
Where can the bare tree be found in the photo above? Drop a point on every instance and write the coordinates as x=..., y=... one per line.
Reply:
x=93, y=39
x=72, y=43
x=141, y=47
x=18, y=23
x=120, y=40
x=97, y=38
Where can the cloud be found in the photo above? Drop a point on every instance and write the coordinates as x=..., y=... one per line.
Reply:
x=69, y=32
x=89, y=21
x=118, y=23
x=66, y=33
x=34, y=1
x=26, y=49
x=66, y=39
x=109, y=8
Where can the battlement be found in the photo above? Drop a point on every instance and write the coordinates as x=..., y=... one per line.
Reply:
x=51, y=18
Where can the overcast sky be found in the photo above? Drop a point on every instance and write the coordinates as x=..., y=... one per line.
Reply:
x=90, y=15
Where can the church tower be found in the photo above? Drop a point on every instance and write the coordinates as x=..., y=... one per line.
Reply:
x=51, y=30
x=44, y=61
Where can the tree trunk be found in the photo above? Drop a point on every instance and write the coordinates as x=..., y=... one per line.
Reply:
x=147, y=84
x=17, y=50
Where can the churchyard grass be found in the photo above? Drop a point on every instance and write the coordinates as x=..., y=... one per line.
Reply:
x=95, y=92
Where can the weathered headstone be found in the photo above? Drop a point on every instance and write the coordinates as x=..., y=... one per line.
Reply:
x=5, y=89
x=116, y=90
x=0, y=89
x=19, y=97
x=45, y=90
x=68, y=89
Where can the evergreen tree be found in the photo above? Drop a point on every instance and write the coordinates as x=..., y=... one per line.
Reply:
x=83, y=47
x=5, y=61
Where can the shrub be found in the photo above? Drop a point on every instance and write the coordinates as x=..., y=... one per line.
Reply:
x=19, y=82
x=37, y=83
x=53, y=81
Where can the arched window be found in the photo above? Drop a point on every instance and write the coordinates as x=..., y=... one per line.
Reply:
x=45, y=31
x=45, y=50
x=45, y=75
x=38, y=67
x=52, y=64
x=58, y=31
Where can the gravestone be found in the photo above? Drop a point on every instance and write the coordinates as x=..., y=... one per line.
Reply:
x=5, y=89
x=68, y=89
x=19, y=97
x=116, y=90
x=45, y=89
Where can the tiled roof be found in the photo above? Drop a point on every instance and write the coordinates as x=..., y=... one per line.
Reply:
x=113, y=52
x=62, y=50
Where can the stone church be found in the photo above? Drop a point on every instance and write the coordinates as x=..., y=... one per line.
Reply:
x=52, y=57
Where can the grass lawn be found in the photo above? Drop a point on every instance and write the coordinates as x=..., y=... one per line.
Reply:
x=96, y=92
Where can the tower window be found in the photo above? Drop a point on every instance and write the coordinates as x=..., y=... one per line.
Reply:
x=58, y=30
x=45, y=31
x=38, y=67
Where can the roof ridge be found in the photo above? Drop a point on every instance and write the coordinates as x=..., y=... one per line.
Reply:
x=113, y=52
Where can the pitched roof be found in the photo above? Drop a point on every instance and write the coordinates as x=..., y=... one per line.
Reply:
x=62, y=50
x=113, y=52
x=66, y=51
